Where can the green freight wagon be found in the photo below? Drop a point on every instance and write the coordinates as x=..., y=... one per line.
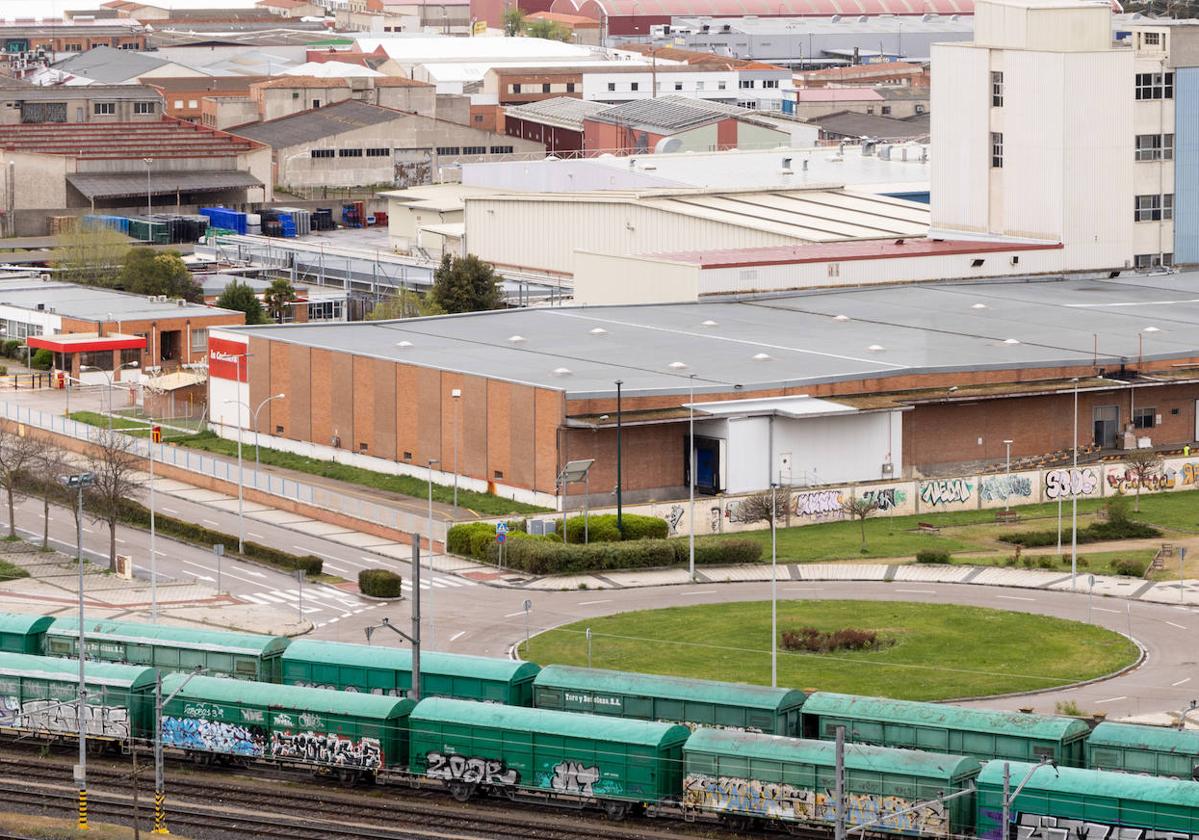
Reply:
x=39, y=694
x=744, y=778
x=334, y=731
x=753, y=708
x=246, y=656
x=957, y=730
x=23, y=633
x=1152, y=750
x=508, y=750
x=1072, y=804
x=381, y=670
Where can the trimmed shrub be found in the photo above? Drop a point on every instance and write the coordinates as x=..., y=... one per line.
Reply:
x=458, y=539
x=599, y=529
x=42, y=359
x=643, y=527
x=602, y=528
x=543, y=557
x=818, y=641
x=1130, y=567
x=716, y=552
x=1047, y=562
x=1119, y=529
x=11, y=346
x=931, y=555
x=380, y=583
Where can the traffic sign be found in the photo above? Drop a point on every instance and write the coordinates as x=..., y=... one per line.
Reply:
x=501, y=527
x=501, y=537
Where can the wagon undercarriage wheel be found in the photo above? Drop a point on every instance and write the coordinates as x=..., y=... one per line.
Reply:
x=616, y=811
x=462, y=791
x=737, y=822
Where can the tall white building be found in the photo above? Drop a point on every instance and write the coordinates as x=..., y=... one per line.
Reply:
x=1031, y=129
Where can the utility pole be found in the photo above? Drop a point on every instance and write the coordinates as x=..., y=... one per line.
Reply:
x=619, y=488
x=160, y=798
x=78, y=482
x=839, y=783
x=414, y=639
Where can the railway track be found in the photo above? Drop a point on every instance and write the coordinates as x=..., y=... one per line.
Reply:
x=222, y=802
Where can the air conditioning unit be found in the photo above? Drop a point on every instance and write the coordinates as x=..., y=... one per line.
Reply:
x=181, y=302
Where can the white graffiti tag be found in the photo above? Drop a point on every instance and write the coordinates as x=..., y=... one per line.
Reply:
x=1066, y=483
x=819, y=504
x=573, y=777
x=459, y=768
x=946, y=491
x=1039, y=827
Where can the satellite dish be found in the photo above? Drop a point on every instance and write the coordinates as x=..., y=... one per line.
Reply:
x=668, y=145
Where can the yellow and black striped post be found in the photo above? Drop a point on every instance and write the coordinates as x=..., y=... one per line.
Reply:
x=82, y=809
x=160, y=813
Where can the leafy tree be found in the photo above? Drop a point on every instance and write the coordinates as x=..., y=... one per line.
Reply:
x=405, y=304
x=465, y=284
x=241, y=297
x=1144, y=465
x=114, y=469
x=860, y=509
x=149, y=272
x=550, y=30
x=91, y=255
x=514, y=22
x=278, y=296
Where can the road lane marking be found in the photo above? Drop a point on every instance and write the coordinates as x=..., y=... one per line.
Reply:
x=589, y=603
x=515, y=614
x=223, y=573
x=704, y=591
x=919, y=591
x=211, y=522
x=1180, y=682
x=120, y=541
x=1014, y=598
x=1113, y=699
x=170, y=510
x=1172, y=624
x=337, y=569
x=204, y=577
x=255, y=536
x=1105, y=609
x=457, y=635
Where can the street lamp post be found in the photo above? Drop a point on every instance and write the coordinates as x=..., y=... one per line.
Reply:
x=774, y=591
x=416, y=557
x=148, y=161
x=153, y=533
x=78, y=482
x=456, y=397
x=278, y=396
x=241, y=484
x=691, y=460
x=1009, y=796
x=619, y=488
x=160, y=816
x=111, y=384
x=1008, y=495
x=1074, y=502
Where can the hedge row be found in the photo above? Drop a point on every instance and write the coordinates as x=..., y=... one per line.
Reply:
x=1095, y=532
x=547, y=556
x=380, y=583
x=477, y=539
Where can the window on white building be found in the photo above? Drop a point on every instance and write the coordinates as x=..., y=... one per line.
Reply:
x=745, y=84
x=611, y=85
x=1149, y=208
x=1155, y=147
x=996, y=150
x=996, y=89
x=145, y=107
x=678, y=85
x=1151, y=39
x=104, y=108
x=699, y=85
x=721, y=85
x=1155, y=85
x=634, y=86
x=1168, y=206
x=770, y=83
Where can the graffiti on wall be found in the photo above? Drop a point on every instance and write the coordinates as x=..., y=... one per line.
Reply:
x=1040, y=827
x=1188, y=474
x=1004, y=487
x=328, y=749
x=1126, y=480
x=945, y=491
x=786, y=802
x=56, y=716
x=819, y=504
x=886, y=498
x=473, y=770
x=1062, y=484
x=674, y=518
x=189, y=733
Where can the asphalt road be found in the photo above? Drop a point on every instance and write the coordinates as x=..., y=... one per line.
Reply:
x=487, y=620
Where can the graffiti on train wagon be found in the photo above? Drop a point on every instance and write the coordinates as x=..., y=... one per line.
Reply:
x=1039, y=827
x=819, y=504
x=1062, y=484
x=474, y=770
x=56, y=716
x=212, y=736
x=885, y=498
x=773, y=800
x=327, y=748
x=1004, y=487
x=574, y=777
x=945, y=491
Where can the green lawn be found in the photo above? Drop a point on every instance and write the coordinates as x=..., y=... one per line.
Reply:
x=940, y=651
x=11, y=571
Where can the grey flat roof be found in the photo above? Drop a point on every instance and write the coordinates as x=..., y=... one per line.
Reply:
x=63, y=93
x=105, y=64
x=89, y=303
x=925, y=328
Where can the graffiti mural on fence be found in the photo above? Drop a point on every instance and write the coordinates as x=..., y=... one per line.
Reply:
x=1004, y=487
x=1126, y=480
x=887, y=498
x=786, y=802
x=674, y=518
x=327, y=748
x=1188, y=474
x=1038, y=827
x=56, y=716
x=945, y=491
x=1062, y=484
x=574, y=777
x=213, y=736
x=474, y=770
x=819, y=504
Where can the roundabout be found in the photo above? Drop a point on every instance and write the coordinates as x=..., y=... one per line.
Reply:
x=899, y=649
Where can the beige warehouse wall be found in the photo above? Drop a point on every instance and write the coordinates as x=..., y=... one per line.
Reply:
x=607, y=279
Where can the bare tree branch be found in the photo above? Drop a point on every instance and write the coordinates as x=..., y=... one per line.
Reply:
x=17, y=452
x=1144, y=464
x=114, y=469
x=860, y=509
x=50, y=463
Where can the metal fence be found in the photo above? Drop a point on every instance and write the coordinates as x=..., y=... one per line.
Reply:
x=206, y=465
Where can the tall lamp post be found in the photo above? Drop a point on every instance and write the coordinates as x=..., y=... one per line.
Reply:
x=619, y=488
x=160, y=798
x=241, y=483
x=691, y=463
x=456, y=397
x=78, y=482
x=109, y=375
x=1007, y=497
x=278, y=396
x=1074, y=502
x=774, y=590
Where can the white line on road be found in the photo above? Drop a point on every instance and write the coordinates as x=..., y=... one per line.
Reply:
x=337, y=569
x=1172, y=624
x=252, y=535
x=1105, y=609
x=1180, y=682
x=170, y=511
x=589, y=603
x=120, y=541
x=211, y=522
x=202, y=577
x=919, y=591
x=457, y=635
x=707, y=590
x=515, y=614
x=254, y=573
x=224, y=572
x=1014, y=598
x=1113, y=699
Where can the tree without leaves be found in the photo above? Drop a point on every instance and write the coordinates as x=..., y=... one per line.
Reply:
x=278, y=296
x=49, y=464
x=860, y=509
x=465, y=284
x=1144, y=465
x=758, y=507
x=241, y=298
x=113, y=467
x=17, y=452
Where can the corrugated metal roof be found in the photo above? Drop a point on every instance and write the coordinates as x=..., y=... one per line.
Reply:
x=672, y=688
x=540, y=721
x=851, y=124
x=286, y=697
x=1139, y=737
x=560, y=111
x=319, y=123
x=113, y=185
x=1093, y=784
x=824, y=754
x=912, y=713
x=19, y=623
x=182, y=637
x=431, y=662
x=662, y=114
x=95, y=673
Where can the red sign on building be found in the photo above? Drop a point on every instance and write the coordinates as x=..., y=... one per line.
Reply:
x=226, y=359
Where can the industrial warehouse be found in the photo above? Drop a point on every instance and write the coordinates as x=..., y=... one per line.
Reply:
x=815, y=387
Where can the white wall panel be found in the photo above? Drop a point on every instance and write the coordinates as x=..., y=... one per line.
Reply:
x=959, y=105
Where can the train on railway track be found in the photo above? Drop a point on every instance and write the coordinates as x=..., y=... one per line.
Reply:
x=750, y=756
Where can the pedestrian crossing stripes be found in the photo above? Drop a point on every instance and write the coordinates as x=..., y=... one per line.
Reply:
x=320, y=598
